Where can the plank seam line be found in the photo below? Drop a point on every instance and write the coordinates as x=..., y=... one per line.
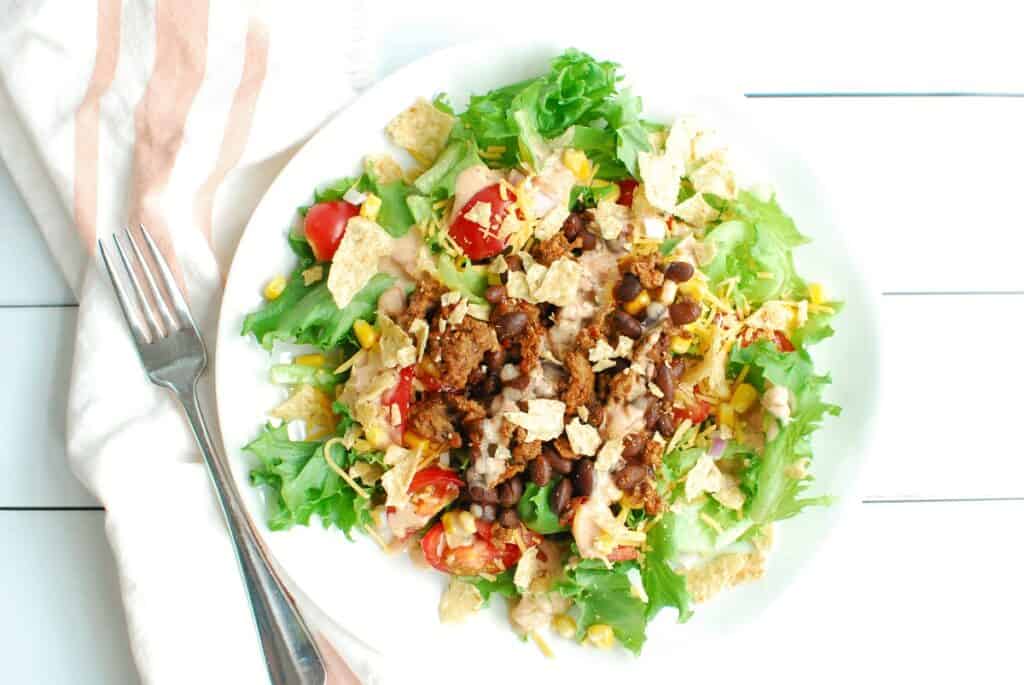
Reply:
x=937, y=500
x=948, y=293
x=65, y=305
x=896, y=94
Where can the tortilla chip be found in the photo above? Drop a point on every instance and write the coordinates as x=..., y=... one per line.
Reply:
x=310, y=405
x=422, y=130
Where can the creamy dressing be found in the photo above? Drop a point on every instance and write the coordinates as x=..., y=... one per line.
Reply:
x=471, y=181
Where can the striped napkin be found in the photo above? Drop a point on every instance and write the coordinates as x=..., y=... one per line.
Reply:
x=177, y=115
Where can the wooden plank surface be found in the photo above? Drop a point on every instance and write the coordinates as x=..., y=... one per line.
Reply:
x=63, y=622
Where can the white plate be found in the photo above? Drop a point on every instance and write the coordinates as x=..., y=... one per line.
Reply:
x=385, y=600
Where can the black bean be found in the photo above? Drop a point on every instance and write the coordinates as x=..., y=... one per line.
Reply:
x=651, y=415
x=489, y=386
x=509, y=518
x=479, y=493
x=495, y=294
x=514, y=262
x=628, y=288
x=663, y=379
x=495, y=359
x=680, y=272
x=560, y=496
x=684, y=311
x=629, y=476
x=558, y=463
x=626, y=325
x=634, y=445
x=583, y=477
x=666, y=425
x=510, y=491
x=588, y=241
x=488, y=512
x=572, y=227
x=540, y=471
x=511, y=324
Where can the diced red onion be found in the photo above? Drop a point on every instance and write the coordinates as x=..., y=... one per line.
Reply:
x=717, y=447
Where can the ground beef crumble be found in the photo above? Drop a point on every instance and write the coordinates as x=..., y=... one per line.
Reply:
x=579, y=390
x=460, y=350
x=425, y=299
x=646, y=269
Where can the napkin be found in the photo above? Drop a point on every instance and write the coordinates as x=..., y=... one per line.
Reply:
x=176, y=115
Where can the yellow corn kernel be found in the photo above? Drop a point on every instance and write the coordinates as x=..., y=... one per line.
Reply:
x=377, y=437
x=316, y=360
x=638, y=304
x=274, y=289
x=678, y=344
x=415, y=441
x=564, y=625
x=577, y=162
x=370, y=207
x=816, y=291
x=743, y=397
x=601, y=636
x=365, y=334
x=458, y=526
x=613, y=195
x=726, y=414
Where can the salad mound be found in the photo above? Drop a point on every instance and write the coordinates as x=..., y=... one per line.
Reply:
x=561, y=357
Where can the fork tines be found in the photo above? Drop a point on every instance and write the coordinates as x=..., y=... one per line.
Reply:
x=151, y=291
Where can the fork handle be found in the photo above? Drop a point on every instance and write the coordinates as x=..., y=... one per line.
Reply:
x=291, y=655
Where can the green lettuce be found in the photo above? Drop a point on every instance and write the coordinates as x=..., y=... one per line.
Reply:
x=308, y=314
x=299, y=374
x=774, y=494
x=535, y=509
x=605, y=595
x=755, y=239
x=302, y=484
x=470, y=281
x=664, y=587
x=502, y=584
x=578, y=93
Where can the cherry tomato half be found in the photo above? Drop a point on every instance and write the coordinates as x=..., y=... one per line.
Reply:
x=696, y=413
x=480, y=556
x=479, y=242
x=627, y=187
x=400, y=396
x=433, y=489
x=778, y=337
x=325, y=227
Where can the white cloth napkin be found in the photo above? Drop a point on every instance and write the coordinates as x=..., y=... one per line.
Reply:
x=177, y=115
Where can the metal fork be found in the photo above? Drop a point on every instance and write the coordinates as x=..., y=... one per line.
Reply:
x=173, y=354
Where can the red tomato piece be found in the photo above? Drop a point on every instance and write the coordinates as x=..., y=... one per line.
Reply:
x=400, y=396
x=623, y=553
x=782, y=342
x=433, y=489
x=480, y=556
x=778, y=337
x=325, y=227
x=627, y=187
x=479, y=242
x=696, y=413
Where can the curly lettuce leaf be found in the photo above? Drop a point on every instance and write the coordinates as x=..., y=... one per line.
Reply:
x=536, y=512
x=438, y=182
x=754, y=242
x=471, y=281
x=308, y=314
x=605, y=595
x=302, y=484
x=579, y=93
x=774, y=493
x=664, y=587
x=502, y=584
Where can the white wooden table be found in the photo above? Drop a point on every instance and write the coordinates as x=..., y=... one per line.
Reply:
x=923, y=580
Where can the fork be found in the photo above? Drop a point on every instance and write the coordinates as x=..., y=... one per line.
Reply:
x=174, y=356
